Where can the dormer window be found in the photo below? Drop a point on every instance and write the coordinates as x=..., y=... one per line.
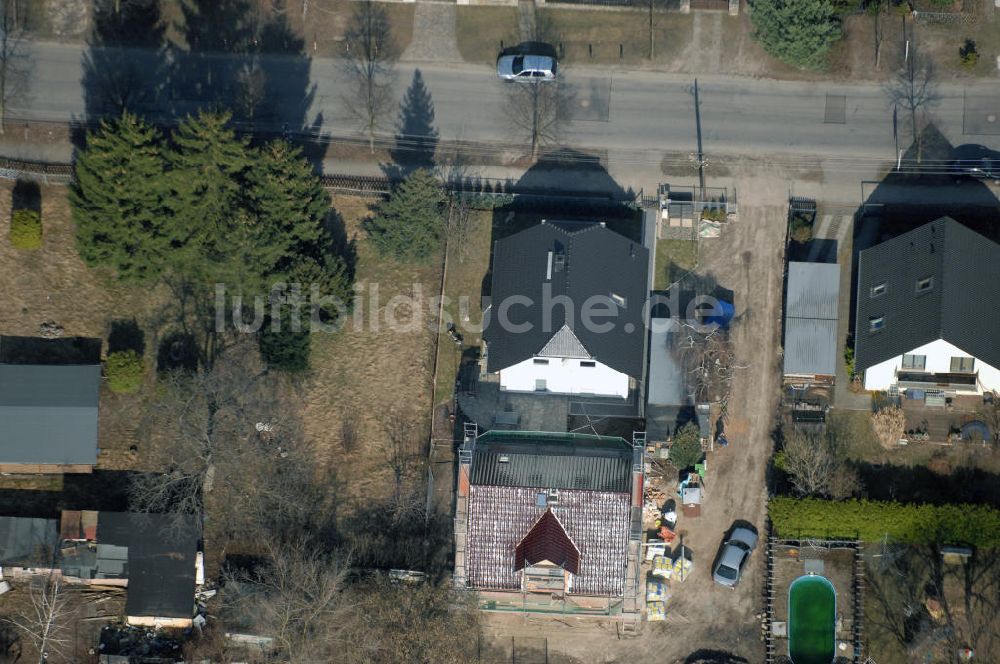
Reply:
x=876, y=324
x=879, y=289
x=924, y=285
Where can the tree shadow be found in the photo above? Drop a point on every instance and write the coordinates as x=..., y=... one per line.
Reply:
x=340, y=244
x=416, y=137
x=35, y=350
x=124, y=67
x=26, y=196
x=126, y=335
x=229, y=54
x=178, y=351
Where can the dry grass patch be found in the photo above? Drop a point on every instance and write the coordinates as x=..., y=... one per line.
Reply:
x=468, y=263
x=480, y=31
x=613, y=37
x=53, y=284
x=369, y=369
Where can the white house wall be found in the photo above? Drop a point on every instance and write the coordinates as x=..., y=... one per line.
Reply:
x=939, y=354
x=565, y=376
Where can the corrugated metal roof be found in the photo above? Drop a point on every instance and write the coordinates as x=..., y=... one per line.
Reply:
x=551, y=472
x=959, y=307
x=810, y=347
x=813, y=290
x=49, y=413
x=812, y=304
x=552, y=461
x=597, y=523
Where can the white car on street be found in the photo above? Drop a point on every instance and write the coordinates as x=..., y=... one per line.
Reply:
x=526, y=67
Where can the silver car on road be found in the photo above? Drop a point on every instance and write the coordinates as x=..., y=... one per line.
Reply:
x=526, y=67
x=735, y=552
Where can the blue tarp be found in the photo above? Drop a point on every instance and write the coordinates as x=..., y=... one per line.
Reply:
x=725, y=315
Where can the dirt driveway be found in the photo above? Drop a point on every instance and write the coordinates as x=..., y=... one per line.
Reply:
x=703, y=616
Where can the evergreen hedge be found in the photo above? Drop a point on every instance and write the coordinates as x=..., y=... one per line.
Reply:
x=976, y=525
x=26, y=229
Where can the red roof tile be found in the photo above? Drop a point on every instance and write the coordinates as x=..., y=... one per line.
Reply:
x=547, y=540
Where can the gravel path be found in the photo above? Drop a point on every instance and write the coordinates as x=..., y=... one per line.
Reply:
x=433, y=34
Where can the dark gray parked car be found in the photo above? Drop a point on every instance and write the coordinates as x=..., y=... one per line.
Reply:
x=735, y=552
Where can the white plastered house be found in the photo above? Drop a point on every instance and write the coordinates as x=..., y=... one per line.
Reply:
x=928, y=311
x=567, y=310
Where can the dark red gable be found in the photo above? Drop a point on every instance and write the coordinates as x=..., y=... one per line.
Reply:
x=547, y=540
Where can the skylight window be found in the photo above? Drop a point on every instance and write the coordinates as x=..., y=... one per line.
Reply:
x=618, y=299
x=880, y=289
x=876, y=324
x=925, y=284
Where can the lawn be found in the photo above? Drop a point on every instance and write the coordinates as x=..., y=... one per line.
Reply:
x=468, y=263
x=674, y=258
x=480, y=31
x=370, y=368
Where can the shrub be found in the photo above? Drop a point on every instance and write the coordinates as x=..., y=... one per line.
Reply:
x=26, y=229
x=969, y=54
x=849, y=357
x=800, y=226
x=124, y=371
x=685, y=451
x=870, y=521
x=799, y=32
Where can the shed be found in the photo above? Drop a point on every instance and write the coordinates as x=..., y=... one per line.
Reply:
x=812, y=303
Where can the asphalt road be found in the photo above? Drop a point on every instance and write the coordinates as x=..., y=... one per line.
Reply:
x=634, y=116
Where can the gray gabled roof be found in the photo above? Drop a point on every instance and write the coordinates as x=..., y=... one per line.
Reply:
x=811, y=307
x=960, y=307
x=584, y=262
x=552, y=461
x=49, y=413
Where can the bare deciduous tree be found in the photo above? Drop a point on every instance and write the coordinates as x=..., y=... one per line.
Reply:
x=653, y=7
x=251, y=86
x=226, y=438
x=400, y=450
x=46, y=622
x=371, y=55
x=297, y=598
x=913, y=89
x=14, y=62
x=817, y=465
x=808, y=462
x=537, y=109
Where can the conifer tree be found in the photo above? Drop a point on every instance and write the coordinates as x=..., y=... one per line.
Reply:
x=410, y=223
x=118, y=200
x=207, y=163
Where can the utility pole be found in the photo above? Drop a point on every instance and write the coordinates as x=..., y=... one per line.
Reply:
x=895, y=131
x=701, y=154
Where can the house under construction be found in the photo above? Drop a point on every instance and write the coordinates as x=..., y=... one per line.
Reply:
x=550, y=522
